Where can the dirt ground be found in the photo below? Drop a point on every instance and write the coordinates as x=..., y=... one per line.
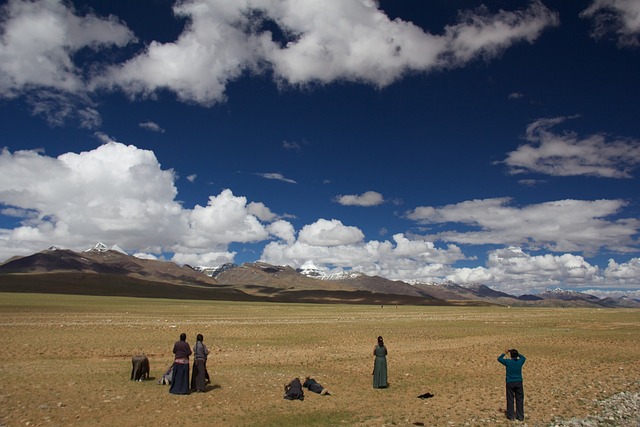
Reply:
x=67, y=361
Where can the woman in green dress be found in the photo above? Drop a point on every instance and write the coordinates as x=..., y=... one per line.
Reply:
x=380, y=365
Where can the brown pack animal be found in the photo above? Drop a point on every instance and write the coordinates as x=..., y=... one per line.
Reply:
x=140, y=367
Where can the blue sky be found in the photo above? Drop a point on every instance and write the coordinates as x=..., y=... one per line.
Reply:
x=493, y=142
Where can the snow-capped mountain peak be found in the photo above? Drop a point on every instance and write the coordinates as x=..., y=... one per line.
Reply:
x=101, y=247
x=561, y=291
x=309, y=269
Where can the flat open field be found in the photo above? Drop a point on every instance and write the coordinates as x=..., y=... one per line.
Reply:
x=66, y=360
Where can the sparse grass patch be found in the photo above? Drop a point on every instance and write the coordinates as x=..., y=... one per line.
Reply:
x=67, y=360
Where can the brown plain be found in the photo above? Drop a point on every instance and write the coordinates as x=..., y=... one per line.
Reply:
x=66, y=360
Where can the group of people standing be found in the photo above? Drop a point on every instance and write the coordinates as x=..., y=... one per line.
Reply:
x=199, y=373
x=293, y=390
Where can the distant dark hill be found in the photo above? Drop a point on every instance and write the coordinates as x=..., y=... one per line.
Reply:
x=529, y=297
x=112, y=273
x=385, y=286
x=104, y=262
x=114, y=285
x=453, y=291
x=120, y=285
x=103, y=271
x=273, y=276
x=565, y=295
x=622, y=302
x=486, y=292
x=287, y=278
x=56, y=260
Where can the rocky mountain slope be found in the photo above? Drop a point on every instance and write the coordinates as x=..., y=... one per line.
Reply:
x=110, y=271
x=107, y=271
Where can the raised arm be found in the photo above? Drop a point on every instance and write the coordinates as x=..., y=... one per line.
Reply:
x=501, y=359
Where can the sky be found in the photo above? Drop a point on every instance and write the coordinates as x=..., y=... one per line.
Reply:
x=493, y=142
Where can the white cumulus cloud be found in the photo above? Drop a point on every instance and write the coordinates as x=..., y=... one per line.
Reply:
x=402, y=259
x=625, y=273
x=317, y=42
x=561, y=226
x=283, y=230
x=567, y=154
x=514, y=271
x=517, y=272
x=115, y=191
x=119, y=193
x=152, y=126
x=38, y=43
x=329, y=233
x=296, y=41
x=213, y=259
x=225, y=219
x=369, y=198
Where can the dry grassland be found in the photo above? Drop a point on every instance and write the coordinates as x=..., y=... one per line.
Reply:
x=66, y=360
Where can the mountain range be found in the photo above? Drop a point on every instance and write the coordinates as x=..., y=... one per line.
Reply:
x=110, y=271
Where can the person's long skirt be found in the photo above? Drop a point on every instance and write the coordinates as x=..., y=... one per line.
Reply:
x=380, y=372
x=180, y=383
x=198, y=375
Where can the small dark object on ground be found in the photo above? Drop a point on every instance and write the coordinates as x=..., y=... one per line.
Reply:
x=425, y=396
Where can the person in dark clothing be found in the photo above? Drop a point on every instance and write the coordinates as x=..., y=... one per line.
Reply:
x=293, y=390
x=182, y=351
x=380, y=365
x=140, y=367
x=199, y=372
x=315, y=386
x=514, y=389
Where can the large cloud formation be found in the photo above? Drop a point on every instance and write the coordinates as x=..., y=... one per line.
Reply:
x=297, y=41
x=562, y=225
x=39, y=41
x=313, y=42
x=120, y=194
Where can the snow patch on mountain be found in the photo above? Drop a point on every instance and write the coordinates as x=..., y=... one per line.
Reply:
x=101, y=247
x=309, y=269
x=560, y=291
x=214, y=271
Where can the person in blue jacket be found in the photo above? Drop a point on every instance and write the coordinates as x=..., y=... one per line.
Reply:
x=514, y=388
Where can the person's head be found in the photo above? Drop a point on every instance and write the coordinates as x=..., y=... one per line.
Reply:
x=380, y=341
x=199, y=337
x=183, y=336
x=514, y=353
